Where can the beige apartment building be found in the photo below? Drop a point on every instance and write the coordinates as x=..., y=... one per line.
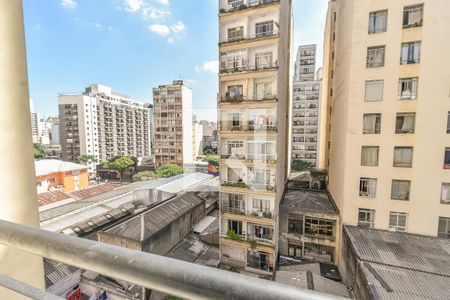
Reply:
x=254, y=128
x=172, y=108
x=386, y=85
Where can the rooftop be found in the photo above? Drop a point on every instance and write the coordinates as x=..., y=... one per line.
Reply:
x=296, y=275
x=400, y=265
x=50, y=166
x=302, y=200
x=156, y=218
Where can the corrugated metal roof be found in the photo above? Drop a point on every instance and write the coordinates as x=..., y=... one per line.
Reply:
x=295, y=275
x=415, y=252
x=406, y=284
x=56, y=272
x=203, y=224
x=298, y=201
x=156, y=218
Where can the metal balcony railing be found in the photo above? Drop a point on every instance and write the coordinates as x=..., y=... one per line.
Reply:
x=152, y=271
x=244, y=4
x=243, y=67
x=241, y=98
x=242, y=37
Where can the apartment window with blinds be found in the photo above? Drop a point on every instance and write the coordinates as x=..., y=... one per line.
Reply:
x=264, y=28
x=410, y=53
x=366, y=217
x=404, y=123
x=369, y=156
x=447, y=158
x=367, y=187
x=378, y=21
x=444, y=228
x=397, y=221
x=407, y=88
x=445, y=193
x=235, y=33
x=403, y=157
x=413, y=16
x=400, y=189
x=374, y=90
x=371, y=123
x=375, y=57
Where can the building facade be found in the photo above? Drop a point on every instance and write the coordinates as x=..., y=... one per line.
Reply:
x=254, y=127
x=306, y=107
x=172, y=106
x=102, y=123
x=386, y=87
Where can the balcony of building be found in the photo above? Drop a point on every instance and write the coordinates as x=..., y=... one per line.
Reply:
x=252, y=59
x=247, y=234
x=261, y=178
x=248, y=121
x=248, y=150
x=248, y=92
x=227, y=6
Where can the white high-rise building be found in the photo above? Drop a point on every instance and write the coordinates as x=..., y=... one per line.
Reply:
x=102, y=123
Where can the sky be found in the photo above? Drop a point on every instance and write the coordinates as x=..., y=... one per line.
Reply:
x=135, y=45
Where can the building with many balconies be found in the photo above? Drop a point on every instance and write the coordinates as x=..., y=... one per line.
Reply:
x=254, y=125
x=102, y=123
x=172, y=107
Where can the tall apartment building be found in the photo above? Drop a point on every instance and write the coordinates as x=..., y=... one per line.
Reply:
x=102, y=123
x=172, y=105
x=254, y=127
x=306, y=107
x=386, y=83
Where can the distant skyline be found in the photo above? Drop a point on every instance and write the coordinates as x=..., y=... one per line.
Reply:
x=135, y=45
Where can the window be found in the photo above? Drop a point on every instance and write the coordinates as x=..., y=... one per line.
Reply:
x=448, y=122
x=371, y=123
x=397, y=221
x=319, y=253
x=263, y=89
x=369, y=156
x=236, y=226
x=319, y=227
x=261, y=205
x=374, y=90
x=295, y=250
x=413, y=16
x=296, y=225
x=407, y=88
x=235, y=33
x=375, y=57
x=405, y=122
x=264, y=28
x=235, y=92
x=403, y=157
x=367, y=187
x=378, y=21
x=263, y=60
x=366, y=217
x=400, y=189
x=447, y=158
x=410, y=53
x=444, y=228
x=445, y=193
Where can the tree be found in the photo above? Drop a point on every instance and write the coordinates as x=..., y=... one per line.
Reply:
x=300, y=165
x=168, y=170
x=119, y=163
x=211, y=158
x=209, y=150
x=85, y=159
x=38, y=151
x=140, y=176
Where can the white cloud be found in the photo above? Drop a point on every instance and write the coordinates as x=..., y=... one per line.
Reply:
x=171, y=40
x=133, y=5
x=164, y=2
x=69, y=3
x=97, y=25
x=178, y=27
x=153, y=13
x=160, y=29
x=208, y=66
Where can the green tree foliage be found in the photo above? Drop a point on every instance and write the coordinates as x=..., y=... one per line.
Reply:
x=119, y=163
x=143, y=175
x=300, y=165
x=211, y=158
x=168, y=170
x=85, y=159
x=209, y=150
x=38, y=151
